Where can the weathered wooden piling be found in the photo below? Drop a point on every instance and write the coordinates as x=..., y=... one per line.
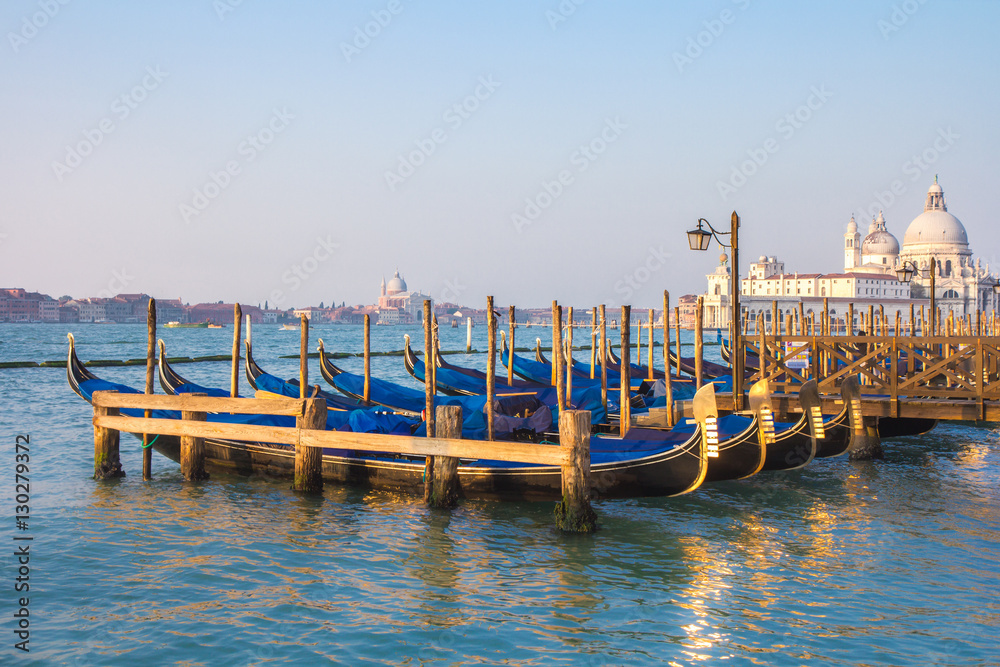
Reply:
x=309, y=460
x=574, y=513
x=510, y=356
x=802, y=319
x=428, y=386
x=666, y=358
x=366, y=393
x=193, y=448
x=491, y=365
x=625, y=401
x=604, y=358
x=147, y=449
x=677, y=331
x=557, y=380
x=445, y=488
x=569, y=357
x=593, y=342
x=649, y=351
x=468, y=336
x=699, y=342
x=107, y=459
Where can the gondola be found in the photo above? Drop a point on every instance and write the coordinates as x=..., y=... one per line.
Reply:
x=455, y=381
x=535, y=371
x=172, y=382
x=644, y=463
x=579, y=369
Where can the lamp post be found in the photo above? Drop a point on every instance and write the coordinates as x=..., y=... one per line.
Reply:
x=906, y=272
x=700, y=239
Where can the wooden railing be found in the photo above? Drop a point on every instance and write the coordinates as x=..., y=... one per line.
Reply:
x=309, y=437
x=954, y=367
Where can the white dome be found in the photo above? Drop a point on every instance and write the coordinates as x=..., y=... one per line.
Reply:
x=852, y=227
x=880, y=242
x=396, y=284
x=935, y=227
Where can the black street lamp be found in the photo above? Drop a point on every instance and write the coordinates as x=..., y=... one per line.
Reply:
x=905, y=273
x=700, y=239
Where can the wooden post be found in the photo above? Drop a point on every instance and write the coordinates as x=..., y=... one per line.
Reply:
x=763, y=352
x=638, y=343
x=192, y=448
x=923, y=322
x=913, y=322
x=881, y=317
x=649, y=356
x=107, y=460
x=826, y=316
x=468, y=337
x=147, y=449
x=850, y=319
x=574, y=513
x=774, y=317
x=593, y=342
x=604, y=358
x=431, y=363
x=625, y=407
x=234, y=379
x=309, y=460
x=491, y=365
x=666, y=357
x=871, y=321
x=677, y=331
x=510, y=337
x=303, y=358
x=898, y=325
x=445, y=488
x=556, y=333
x=367, y=391
x=557, y=379
x=802, y=319
x=429, y=394
x=699, y=342
x=789, y=324
x=569, y=358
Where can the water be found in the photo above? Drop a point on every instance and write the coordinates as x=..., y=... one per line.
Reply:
x=893, y=562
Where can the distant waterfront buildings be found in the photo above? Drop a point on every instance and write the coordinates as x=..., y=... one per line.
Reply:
x=934, y=241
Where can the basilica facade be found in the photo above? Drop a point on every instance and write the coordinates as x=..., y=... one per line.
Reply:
x=935, y=241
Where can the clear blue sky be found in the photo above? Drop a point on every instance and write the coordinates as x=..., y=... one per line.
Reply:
x=183, y=86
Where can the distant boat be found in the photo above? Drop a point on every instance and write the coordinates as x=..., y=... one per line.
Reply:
x=186, y=325
x=216, y=326
x=289, y=327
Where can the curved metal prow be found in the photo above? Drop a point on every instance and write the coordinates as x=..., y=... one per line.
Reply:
x=706, y=413
x=760, y=404
x=812, y=408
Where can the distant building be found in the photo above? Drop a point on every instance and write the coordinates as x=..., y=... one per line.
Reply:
x=934, y=241
x=394, y=294
x=19, y=305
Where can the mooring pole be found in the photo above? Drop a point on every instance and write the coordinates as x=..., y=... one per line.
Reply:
x=303, y=356
x=604, y=358
x=234, y=375
x=309, y=460
x=491, y=365
x=666, y=357
x=107, y=459
x=468, y=336
x=445, y=487
x=192, y=447
x=593, y=342
x=569, y=357
x=510, y=337
x=625, y=407
x=147, y=448
x=699, y=342
x=574, y=513
x=367, y=391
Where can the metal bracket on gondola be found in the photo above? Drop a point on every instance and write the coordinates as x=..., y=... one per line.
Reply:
x=706, y=413
x=850, y=389
x=760, y=403
x=810, y=402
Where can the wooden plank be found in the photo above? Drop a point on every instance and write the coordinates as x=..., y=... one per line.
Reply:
x=497, y=450
x=289, y=407
x=246, y=432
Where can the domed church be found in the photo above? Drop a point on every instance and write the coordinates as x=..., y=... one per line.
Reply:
x=935, y=240
x=397, y=305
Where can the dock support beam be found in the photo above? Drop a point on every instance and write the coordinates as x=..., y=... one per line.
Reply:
x=444, y=473
x=107, y=462
x=192, y=448
x=309, y=460
x=574, y=513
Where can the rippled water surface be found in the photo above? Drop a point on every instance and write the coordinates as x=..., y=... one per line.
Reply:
x=893, y=562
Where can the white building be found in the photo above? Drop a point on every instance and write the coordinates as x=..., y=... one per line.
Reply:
x=935, y=239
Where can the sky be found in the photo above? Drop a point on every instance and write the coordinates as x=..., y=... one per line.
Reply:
x=297, y=152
